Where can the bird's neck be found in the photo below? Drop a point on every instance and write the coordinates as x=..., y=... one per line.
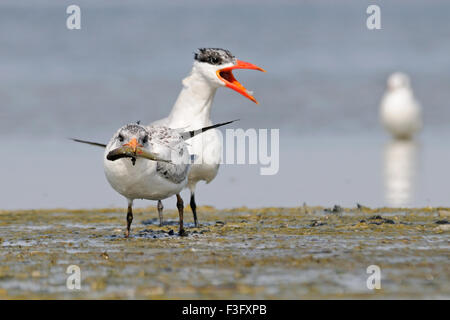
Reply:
x=193, y=105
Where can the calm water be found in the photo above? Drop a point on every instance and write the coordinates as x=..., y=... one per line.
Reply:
x=326, y=75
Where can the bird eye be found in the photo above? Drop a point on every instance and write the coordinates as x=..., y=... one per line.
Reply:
x=121, y=138
x=215, y=60
x=145, y=139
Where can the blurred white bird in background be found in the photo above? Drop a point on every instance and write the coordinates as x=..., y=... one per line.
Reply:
x=400, y=113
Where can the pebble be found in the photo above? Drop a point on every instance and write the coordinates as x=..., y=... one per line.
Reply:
x=317, y=223
x=444, y=213
x=383, y=220
x=35, y=274
x=105, y=255
x=335, y=209
x=443, y=227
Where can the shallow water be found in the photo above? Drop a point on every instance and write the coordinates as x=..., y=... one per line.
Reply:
x=317, y=170
x=304, y=252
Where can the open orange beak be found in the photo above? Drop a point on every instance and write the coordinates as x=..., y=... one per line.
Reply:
x=133, y=144
x=230, y=81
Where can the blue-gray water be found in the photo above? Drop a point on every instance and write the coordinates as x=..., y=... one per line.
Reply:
x=326, y=74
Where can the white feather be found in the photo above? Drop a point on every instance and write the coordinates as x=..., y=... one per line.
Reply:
x=400, y=113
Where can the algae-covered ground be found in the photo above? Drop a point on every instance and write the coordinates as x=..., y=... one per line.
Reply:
x=285, y=253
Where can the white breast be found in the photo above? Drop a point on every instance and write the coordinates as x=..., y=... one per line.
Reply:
x=140, y=181
x=400, y=113
x=149, y=179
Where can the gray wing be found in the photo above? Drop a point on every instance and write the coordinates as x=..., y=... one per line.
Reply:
x=172, y=172
x=171, y=139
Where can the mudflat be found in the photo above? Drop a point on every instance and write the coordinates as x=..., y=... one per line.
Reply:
x=270, y=253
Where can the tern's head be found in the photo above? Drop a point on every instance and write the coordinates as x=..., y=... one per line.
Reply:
x=133, y=135
x=216, y=66
x=131, y=141
x=398, y=80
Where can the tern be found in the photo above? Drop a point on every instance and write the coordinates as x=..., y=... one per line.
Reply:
x=212, y=69
x=400, y=113
x=149, y=162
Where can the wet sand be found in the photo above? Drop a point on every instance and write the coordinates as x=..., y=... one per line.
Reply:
x=269, y=253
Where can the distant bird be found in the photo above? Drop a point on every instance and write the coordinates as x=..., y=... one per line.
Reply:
x=212, y=69
x=400, y=113
x=149, y=163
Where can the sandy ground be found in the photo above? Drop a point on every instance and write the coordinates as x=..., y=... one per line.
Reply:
x=288, y=253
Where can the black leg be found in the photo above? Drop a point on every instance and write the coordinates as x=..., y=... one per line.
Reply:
x=194, y=209
x=180, y=206
x=129, y=220
x=160, y=212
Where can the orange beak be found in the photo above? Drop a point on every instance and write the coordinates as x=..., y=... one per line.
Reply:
x=133, y=144
x=230, y=81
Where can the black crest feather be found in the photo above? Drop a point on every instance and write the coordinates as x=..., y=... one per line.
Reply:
x=214, y=56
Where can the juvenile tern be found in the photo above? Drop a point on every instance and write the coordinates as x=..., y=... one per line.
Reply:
x=149, y=163
x=211, y=70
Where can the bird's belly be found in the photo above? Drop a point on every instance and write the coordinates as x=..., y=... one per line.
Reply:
x=207, y=150
x=206, y=172
x=401, y=122
x=140, y=181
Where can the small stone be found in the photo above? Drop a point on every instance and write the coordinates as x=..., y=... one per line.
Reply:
x=443, y=227
x=383, y=220
x=105, y=255
x=35, y=274
x=444, y=213
x=335, y=209
x=317, y=223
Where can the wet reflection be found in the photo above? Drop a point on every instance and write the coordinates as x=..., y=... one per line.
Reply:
x=400, y=165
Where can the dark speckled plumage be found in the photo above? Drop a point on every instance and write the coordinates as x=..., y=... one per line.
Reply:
x=171, y=172
x=134, y=128
x=214, y=56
